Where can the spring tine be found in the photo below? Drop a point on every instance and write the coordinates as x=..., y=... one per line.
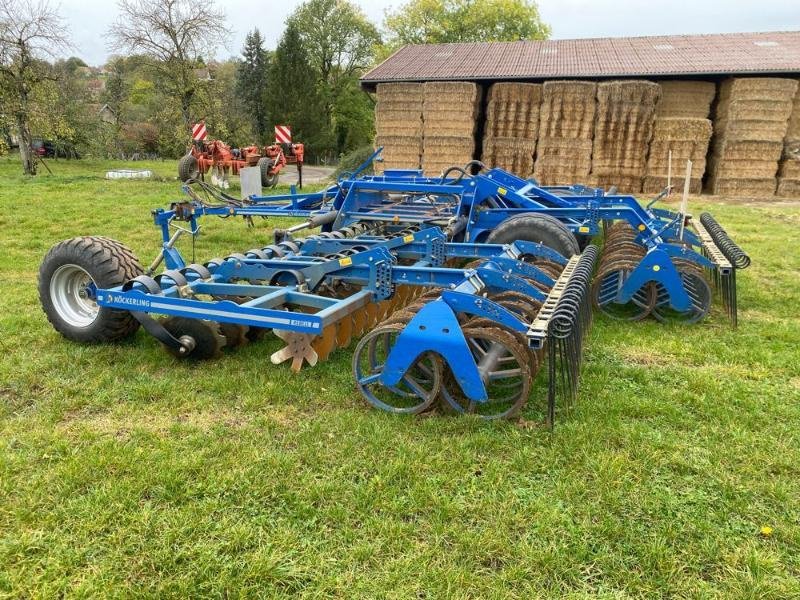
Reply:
x=729, y=248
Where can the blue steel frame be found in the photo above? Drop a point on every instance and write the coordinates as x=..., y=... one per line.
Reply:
x=481, y=203
x=372, y=265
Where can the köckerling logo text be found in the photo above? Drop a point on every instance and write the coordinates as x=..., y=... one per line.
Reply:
x=119, y=299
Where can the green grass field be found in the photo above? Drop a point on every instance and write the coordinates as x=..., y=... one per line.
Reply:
x=124, y=472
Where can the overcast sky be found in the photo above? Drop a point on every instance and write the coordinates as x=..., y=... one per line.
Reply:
x=89, y=19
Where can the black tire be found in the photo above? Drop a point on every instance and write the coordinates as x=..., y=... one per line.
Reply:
x=188, y=168
x=265, y=164
x=536, y=227
x=107, y=264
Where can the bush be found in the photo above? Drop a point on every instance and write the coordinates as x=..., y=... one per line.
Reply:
x=350, y=161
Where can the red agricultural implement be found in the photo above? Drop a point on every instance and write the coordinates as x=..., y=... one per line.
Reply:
x=221, y=161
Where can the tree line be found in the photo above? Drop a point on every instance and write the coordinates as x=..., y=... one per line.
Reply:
x=162, y=76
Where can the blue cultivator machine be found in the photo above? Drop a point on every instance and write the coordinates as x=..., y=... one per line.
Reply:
x=461, y=288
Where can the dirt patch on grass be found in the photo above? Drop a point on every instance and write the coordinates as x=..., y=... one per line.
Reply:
x=643, y=356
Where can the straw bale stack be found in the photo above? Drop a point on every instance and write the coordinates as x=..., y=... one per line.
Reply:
x=398, y=125
x=789, y=170
x=512, y=154
x=512, y=111
x=449, y=115
x=512, y=126
x=750, y=126
x=566, y=123
x=622, y=131
x=686, y=99
x=687, y=139
x=444, y=151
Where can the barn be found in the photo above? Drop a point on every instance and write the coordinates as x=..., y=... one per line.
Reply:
x=606, y=111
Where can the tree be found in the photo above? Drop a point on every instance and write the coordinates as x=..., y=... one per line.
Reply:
x=175, y=36
x=252, y=83
x=29, y=32
x=291, y=77
x=443, y=21
x=340, y=43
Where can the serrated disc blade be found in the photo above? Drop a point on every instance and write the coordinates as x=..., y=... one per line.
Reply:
x=325, y=343
x=344, y=331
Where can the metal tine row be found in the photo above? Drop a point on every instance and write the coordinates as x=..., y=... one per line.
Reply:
x=729, y=248
x=725, y=282
x=569, y=324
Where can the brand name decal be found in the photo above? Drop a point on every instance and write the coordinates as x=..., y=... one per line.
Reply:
x=128, y=301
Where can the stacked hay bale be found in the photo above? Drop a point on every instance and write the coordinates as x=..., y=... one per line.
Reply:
x=398, y=125
x=686, y=99
x=449, y=114
x=789, y=170
x=566, y=123
x=623, y=127
x=683, y=128
x=512, y=126
x=686, y=139
x=750, y=126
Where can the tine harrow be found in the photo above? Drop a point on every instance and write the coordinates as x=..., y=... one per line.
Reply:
x=727, y=256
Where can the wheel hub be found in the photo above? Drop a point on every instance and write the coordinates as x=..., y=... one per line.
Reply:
x=69, y=290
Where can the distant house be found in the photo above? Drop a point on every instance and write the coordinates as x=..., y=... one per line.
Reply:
x=107, y=114
x=203, y=74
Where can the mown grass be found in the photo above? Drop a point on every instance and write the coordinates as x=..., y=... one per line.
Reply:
x=125, y=472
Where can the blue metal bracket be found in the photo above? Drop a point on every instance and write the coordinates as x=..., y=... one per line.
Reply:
x=498, y=280
x=521, y=269
x=483, y=307
x=657, y=267
x=435, y=328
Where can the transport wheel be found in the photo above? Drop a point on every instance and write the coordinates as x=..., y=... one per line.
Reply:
x=267, y=180
x=188, y=168
x=69, y=275
x=536, y=227
x=418, y=389
x=207, y=336
x=508, y=379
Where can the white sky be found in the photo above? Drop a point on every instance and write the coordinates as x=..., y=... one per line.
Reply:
x=88, y=20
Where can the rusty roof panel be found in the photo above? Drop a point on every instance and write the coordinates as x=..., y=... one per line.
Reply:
x=727, y=53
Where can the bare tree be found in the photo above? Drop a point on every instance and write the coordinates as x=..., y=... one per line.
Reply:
x=30, y=32
x=175, y=35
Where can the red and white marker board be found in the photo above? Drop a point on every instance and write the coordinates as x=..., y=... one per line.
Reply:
x=283, y=134
x=199, y=132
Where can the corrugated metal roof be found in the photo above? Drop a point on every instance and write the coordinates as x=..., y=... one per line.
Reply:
x=656, y=56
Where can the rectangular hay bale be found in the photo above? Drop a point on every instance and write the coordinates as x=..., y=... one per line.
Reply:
x=654, y=184
x=512, y=154
x=623, y=128
x=513, y=110
x=686, y=99
x=744, y=188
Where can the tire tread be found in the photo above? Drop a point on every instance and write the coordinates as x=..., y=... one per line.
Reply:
x=111, y=264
